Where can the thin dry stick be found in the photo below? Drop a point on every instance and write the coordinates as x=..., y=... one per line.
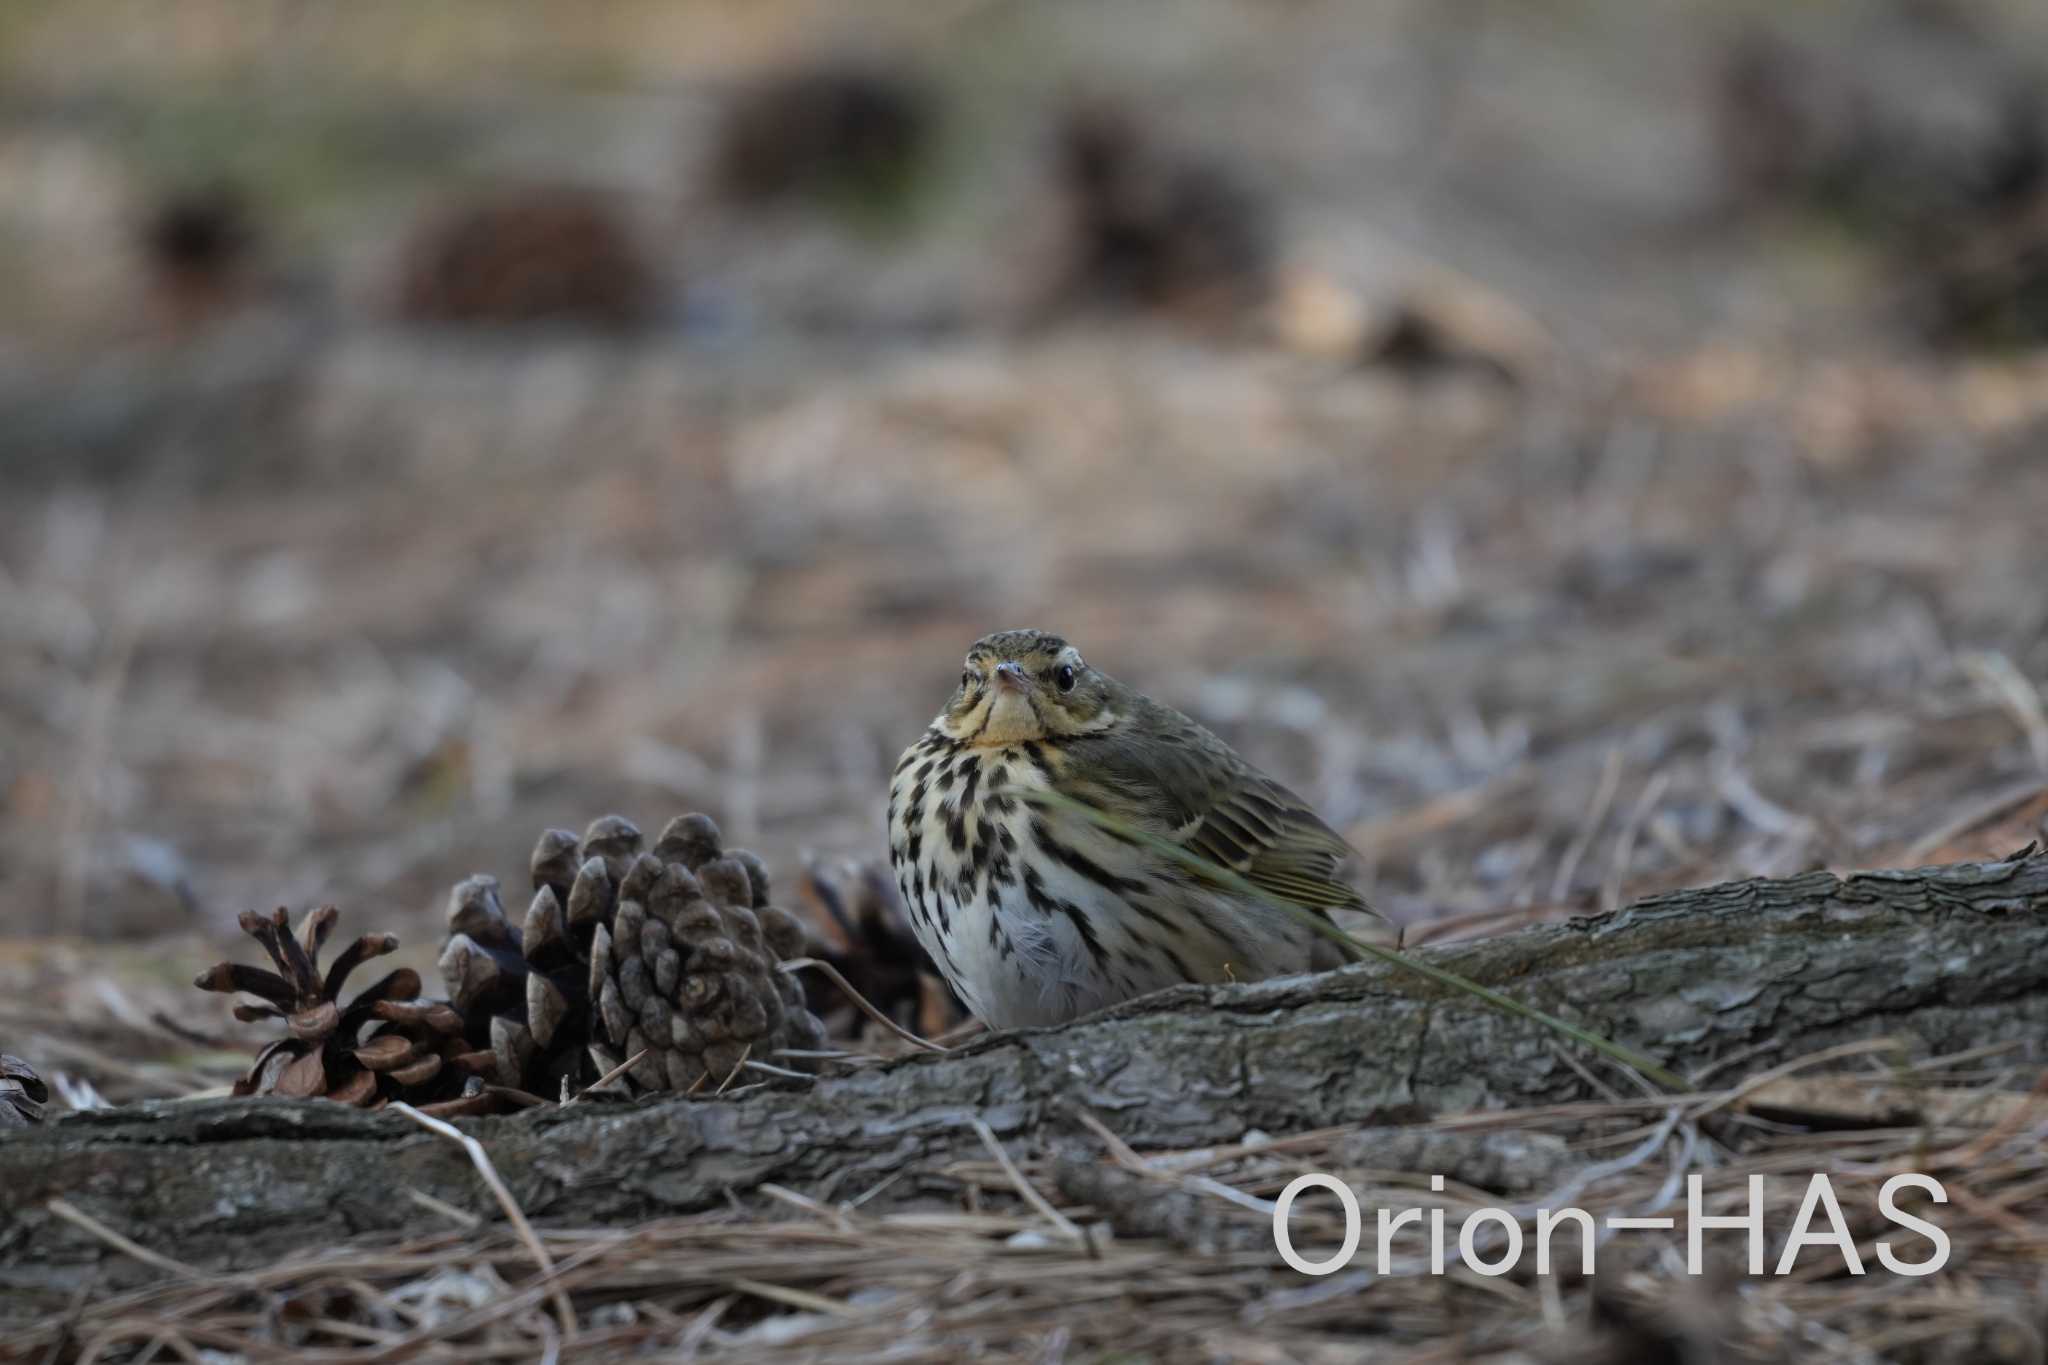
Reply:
x=1603, y=797
x=1434, y=816
x=836, y=1216
x=460, y=1217
x=481, y=1159
x=1998, y=675
x=602, y=1081
x=1971, y=816
x=745, y=1052
x=67, y=1326
x=1124, y=1154
x=1974, y=1152
x=796, y=1298
x=1625, y=845
x=961, y=1032
x=861, y=1002
x=95, y=743
x=1024, y=1187
x=1777, y=1073
x=71, y=1213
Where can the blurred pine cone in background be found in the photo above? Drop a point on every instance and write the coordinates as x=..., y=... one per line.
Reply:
x=1927, y=145
x=22, y=1093
x=669, y=955
x=198, y=245
x=1153, y=227
x=544, y=254
x=836, y=131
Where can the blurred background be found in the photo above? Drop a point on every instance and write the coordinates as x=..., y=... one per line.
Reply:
x=1587, y=447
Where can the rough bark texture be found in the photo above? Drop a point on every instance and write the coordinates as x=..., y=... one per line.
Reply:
x=1946, y=958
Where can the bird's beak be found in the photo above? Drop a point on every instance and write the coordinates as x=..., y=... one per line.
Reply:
x=1011, y=677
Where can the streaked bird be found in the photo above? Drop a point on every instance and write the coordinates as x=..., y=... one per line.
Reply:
x=1037, y=914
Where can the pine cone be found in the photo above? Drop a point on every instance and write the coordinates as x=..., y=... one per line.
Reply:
x=413, y=1049
x=541, y=254
x=197, y=245
x=22, y=1093
x=855, y=915
x=833, y=130
x=1151, y=227
x=671, y=953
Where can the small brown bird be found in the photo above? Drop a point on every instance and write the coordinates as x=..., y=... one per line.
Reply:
x=1035, y=913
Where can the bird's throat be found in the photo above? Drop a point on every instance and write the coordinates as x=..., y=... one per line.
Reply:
x=1011, y=720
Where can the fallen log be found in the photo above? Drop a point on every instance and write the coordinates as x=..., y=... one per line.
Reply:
x=1750, y=973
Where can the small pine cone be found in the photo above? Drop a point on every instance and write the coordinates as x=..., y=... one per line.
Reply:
x=197, y=245
x=855, y=915
x=22, y=1093
x=835, y=131
x=671, y=952
x=386, y=1044
x=521, y=987
x=541, y=254
x=1153, y=227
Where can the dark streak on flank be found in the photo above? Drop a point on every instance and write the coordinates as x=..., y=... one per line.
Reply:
x=1077, y=861
x=1035, y=892
x=1155, y=917
x=1220, y=933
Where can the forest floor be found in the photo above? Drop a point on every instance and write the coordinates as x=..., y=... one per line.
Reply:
x=1704, y=568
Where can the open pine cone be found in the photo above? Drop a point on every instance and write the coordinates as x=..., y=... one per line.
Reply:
x=857, y=923
x=668, y=955
x=386, y=1044
x=22, y=1093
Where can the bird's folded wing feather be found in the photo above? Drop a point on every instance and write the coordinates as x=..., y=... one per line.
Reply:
x=1190, y=786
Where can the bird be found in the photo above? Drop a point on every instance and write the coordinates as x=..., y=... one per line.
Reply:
x=1037, y=914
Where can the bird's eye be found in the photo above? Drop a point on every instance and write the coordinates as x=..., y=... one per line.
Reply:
x=1065, y=677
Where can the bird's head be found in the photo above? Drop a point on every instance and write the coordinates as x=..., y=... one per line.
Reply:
x=1026, y=684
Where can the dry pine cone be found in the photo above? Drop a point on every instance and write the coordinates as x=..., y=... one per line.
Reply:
x=668, y=956
x=543, y=254
x=413, y=1049
x=839, y=130
x=1150, y=226
x=858, y=925
x=22, y=1093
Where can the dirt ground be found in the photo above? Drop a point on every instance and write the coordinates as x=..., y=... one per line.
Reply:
x=1677, y=552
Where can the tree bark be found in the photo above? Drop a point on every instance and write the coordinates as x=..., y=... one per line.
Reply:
x=1761, y=971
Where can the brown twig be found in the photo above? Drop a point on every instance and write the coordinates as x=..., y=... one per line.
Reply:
x=481, y=1159
x=71, y=1213
x=861, y=1002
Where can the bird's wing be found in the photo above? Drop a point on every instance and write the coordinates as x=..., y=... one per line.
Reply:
x=1181, y=781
